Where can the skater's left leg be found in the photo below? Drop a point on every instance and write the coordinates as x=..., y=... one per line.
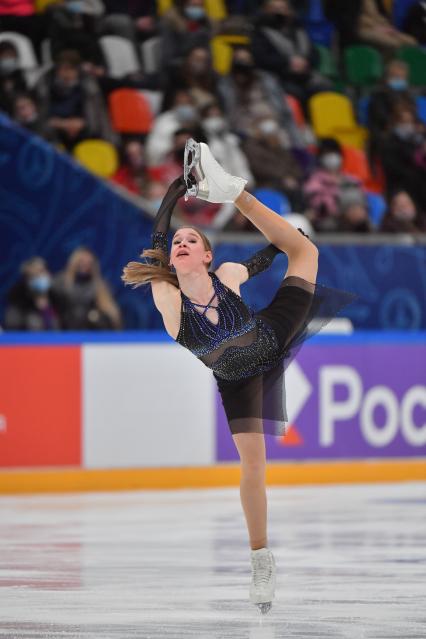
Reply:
x=252, y=452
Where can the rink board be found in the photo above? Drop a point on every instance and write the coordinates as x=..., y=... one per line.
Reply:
x=137, y=401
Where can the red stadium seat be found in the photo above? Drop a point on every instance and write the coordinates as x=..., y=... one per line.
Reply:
x=130, y=111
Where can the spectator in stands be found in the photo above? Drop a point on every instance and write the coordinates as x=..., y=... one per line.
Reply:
x=135, y=21
x=373, y=27
x=402, y=215
x=184, y=25
x=12, y=79
x=329, y=190
x=394, y=90
x=415, y=22
x=73, y=25
x=73, y=102
x=182, y=113
x=273, y=165
x=248, y=94
x=355, y=219
x=281, y=45
x=403, y=155
x=86, y=301
x=26, y=113
x=365, y=21
x=224, y=145
x=132, y=170
x=195, y=74
x=20, y=16
x=32, y=305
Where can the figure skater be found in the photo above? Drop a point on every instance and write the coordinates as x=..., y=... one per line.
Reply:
x=248, y=352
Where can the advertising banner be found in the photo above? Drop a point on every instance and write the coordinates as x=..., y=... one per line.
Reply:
x=40, y=406
x=348, y=401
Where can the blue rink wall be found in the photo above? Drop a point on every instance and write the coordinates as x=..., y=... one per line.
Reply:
x=49, y=205
x=137, y=401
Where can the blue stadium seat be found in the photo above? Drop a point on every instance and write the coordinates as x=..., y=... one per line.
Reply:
x=421, y=108
x=319, y=32
x=362, y=110
x=314, y=11
x=275, y=200
x=376, y=207
x=400, y=10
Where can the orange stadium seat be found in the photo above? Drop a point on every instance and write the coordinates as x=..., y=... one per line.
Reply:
x=130, y=111
x=355, y=163
x=332, y=115
x=296, y=110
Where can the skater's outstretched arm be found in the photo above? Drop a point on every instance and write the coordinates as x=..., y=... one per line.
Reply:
x=157, y=271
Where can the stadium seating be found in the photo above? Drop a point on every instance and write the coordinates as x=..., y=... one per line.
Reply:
x=97, y=156
x=327, y=64
x=221, y=48
x=363, y=65
x=120, y=56
x=332, y=116
x=399, y=11
x=24, y=47
x=130, y=111
x=275, y=200
x=376, y=207
x=415, y=57
x=355, y=163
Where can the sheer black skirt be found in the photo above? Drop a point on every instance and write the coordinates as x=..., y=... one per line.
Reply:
x=298, y=310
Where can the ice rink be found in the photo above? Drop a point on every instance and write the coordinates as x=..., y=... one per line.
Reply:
x=351, y=562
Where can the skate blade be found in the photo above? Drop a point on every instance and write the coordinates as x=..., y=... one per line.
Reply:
x=264, y=607
x=191, y=161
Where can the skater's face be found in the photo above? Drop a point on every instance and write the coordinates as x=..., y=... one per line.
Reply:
x=188, y=252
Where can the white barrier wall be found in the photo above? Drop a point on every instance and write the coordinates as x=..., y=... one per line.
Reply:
x=146, y=405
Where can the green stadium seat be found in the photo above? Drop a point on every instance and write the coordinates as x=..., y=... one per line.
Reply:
x=363, y=65
x=415, y=57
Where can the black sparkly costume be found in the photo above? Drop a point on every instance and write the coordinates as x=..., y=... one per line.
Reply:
x=248, y=352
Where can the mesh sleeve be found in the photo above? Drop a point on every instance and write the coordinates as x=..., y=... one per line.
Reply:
x=261, y=260
x=164, y=214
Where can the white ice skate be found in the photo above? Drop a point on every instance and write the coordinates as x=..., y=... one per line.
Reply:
x=211, y=182
x=262, y=587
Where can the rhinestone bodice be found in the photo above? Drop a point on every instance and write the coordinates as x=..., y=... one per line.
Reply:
x=239, y=345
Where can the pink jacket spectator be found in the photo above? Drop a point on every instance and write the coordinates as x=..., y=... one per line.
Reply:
x=16, y=8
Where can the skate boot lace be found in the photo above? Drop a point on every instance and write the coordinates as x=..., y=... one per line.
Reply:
x=262, y=570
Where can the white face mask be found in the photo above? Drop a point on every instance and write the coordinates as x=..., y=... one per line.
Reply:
x=267, y=127
x=185, y=113
x=331, y=161
x=213, y=125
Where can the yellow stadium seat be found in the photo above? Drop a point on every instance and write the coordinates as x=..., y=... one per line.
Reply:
x=221, y=48
x=163, y=6
x=41, y=5
x=97, y=156
x=216, y=9
x=332, y=116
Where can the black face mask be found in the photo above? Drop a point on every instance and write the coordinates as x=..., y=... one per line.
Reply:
x=276, y=20
x=243, y=68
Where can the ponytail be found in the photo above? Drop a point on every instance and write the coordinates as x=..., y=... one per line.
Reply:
x=137, y=273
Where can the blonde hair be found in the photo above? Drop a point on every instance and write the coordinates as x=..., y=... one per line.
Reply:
x=103, y=297
x=137, y=274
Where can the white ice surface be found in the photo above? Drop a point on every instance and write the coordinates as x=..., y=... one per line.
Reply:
x=351, y=562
